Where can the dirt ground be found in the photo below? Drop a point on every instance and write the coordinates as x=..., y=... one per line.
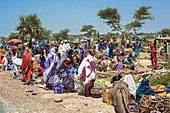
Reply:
x=20, y=98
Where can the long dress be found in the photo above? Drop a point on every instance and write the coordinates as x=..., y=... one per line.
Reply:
x=166, y=49
x=42, y=61
x=87, y=72
x=26, y=66
x=62, y=71
x=50, y=77
x=111, y=50
x=153, y=55
x=136, y=50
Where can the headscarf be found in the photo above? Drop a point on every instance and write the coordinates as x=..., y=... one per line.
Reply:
x=52, y=53
x=52, y=58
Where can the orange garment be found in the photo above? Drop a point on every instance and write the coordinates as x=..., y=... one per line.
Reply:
x=34, y=65
x=2, y=52
x=26, y=66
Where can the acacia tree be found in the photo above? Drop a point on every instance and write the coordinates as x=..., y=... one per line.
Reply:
x=139, y=17
x=89, y=30
x=62, y=34
x=113, y=19
x=29, y=26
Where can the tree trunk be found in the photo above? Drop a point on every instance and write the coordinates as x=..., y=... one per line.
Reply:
x=30, y=43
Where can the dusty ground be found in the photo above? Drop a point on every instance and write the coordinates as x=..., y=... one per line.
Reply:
x=17, y=99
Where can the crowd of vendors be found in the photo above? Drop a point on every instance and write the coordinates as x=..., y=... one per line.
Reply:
x=61, y=65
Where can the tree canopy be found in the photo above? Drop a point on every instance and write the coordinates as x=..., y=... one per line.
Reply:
x=30, y=26
x=13, y=35
x=89, y=30
x=113, y=18
x=62, y=34
x=165, y=31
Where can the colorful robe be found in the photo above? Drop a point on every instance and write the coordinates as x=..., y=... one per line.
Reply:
x=26, y=66
x=136, y=50
x=50, y=77
x=153, y=55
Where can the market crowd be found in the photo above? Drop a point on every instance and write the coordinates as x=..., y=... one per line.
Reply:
x=61, y=63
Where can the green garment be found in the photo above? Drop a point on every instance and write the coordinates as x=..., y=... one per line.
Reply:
x=166, y=49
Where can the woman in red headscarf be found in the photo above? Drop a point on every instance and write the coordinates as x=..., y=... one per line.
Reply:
x=153, y=55
x=26, y=67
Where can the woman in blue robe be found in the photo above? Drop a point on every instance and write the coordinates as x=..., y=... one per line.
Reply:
x=111, y=50
x=136, y=49
x=143, y=89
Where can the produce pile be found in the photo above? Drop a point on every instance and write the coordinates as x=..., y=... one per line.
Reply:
x=100, y=83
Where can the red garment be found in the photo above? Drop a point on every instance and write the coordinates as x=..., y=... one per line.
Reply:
x=41, y=70
x=153, y=56
x=123, y=43
x=26, y=66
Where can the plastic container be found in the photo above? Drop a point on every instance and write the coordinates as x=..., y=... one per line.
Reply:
x=106, y=94
x=160, y=88
x=58, y=90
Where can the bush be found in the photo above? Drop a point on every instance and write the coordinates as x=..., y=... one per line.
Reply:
x=161, y=80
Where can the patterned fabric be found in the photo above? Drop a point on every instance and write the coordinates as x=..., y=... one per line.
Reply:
x=72, y=71
x=62, y=71
x=50, y=77
x=87, y=72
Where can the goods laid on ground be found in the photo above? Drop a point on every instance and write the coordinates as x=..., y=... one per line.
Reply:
x=100, y=83
x=158, y=104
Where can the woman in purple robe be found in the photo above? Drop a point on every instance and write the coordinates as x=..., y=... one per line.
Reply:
x=50, y=77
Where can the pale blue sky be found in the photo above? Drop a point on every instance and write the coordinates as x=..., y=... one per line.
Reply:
x=73, y=14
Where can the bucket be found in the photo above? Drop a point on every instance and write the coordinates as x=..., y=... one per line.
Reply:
x=58, y=90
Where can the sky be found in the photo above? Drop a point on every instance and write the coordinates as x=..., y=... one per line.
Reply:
x=73, y=14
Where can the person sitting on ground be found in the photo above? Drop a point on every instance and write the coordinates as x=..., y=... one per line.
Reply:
x=162, y=53
x=129, y=58
x=139, y=66
x=119, y=65
x=131, y=49
x=143, y=89
x=102, y=65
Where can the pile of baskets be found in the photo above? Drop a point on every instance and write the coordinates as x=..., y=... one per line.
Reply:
x=151, y=103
